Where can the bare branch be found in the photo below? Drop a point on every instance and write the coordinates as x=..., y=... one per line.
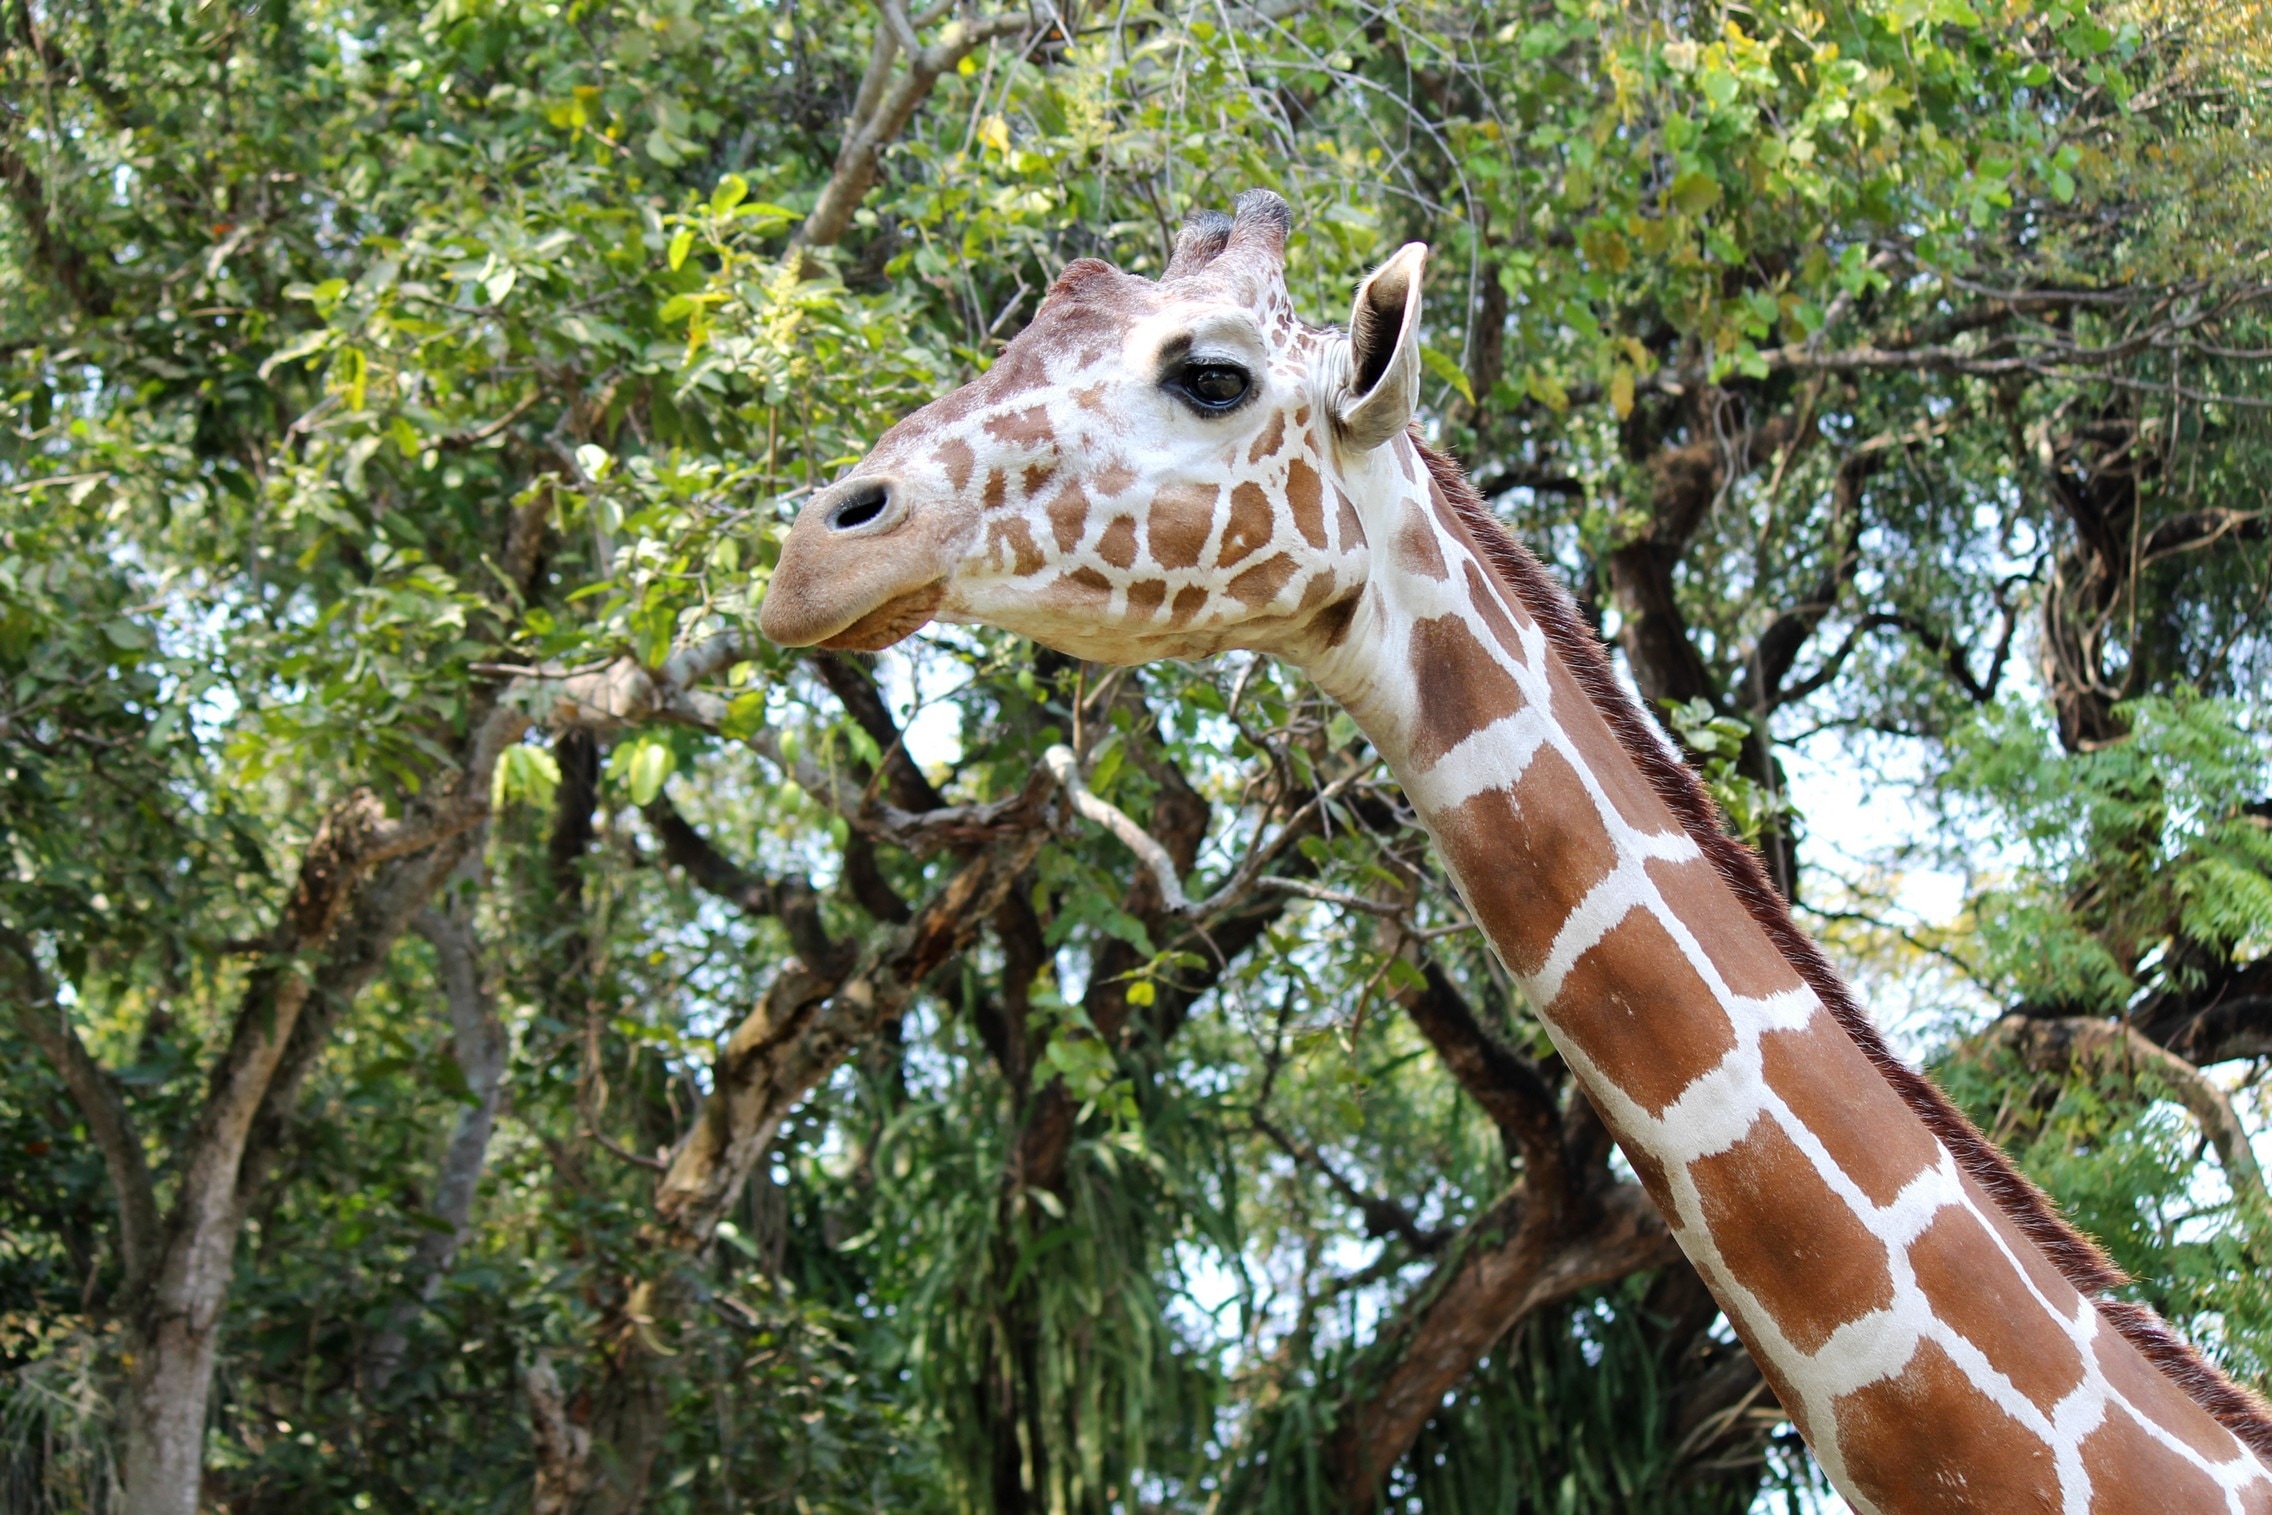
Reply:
x=1066, y=768
x=1506, y=1084
x=562, y=1443
x=1507, y=1262
x=791, y=900
x=1383, y=1216
x=856, y=691
x=79, y=280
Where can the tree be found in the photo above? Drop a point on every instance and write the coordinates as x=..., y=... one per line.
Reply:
x=453, y=962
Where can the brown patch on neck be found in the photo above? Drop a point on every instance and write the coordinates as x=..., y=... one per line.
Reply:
x=1975, y=1457
x=1025, y=428
x=1640, y=1013
x=1785, y=1235
x=1176, y=526
x=1469, y=690
x=2079, y=1261
x=1010, y=532
x=1351, y=528
x=1974, y=1289
x=1305, y=495
x=1068, y=516
x=1258, y=586
x=1416, y=549
x=1118, y=544
x=2121, y=1456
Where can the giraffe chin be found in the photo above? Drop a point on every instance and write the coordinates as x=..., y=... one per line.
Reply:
x=894, y=620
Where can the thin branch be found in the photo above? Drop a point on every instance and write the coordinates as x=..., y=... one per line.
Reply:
x=1066, y=769
x=102, y=1104
x=882, y=109
x=1383, y=1216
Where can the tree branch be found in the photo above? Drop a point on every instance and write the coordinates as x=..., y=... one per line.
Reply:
x=856, y=691
x=79, y=280
x=882, y=109
x=1508, y=1262
x=2053, y=1043
x=479, y=1046
x=101, y=1103
x=1506, y=1084
x=806, y=1024
x=790, y=900
x=1383, y=1216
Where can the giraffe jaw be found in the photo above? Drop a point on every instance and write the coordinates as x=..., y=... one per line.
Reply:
x=894, y=620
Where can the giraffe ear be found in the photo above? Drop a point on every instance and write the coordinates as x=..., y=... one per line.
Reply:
x=1381, y=385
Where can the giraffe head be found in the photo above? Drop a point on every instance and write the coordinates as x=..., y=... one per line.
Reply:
x=1149, y=470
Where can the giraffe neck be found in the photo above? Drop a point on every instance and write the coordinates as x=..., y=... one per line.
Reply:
x=1932, y=1355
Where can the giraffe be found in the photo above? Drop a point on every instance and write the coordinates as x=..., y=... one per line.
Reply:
x=1174, y=469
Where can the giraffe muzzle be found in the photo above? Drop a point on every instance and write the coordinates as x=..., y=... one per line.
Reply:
x=859, y=570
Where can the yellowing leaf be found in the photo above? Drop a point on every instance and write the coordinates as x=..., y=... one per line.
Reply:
x=994, y=132
x=1621, y=391
x=681, y=244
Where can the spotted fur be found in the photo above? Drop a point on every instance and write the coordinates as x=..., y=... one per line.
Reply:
x=1937, y=1332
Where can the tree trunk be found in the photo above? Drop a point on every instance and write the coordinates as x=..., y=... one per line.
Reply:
x=168, y=1384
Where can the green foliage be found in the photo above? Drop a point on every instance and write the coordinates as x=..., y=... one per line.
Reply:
x=2123, y=862
x=1568, y=1414
x=302, y=307
x=1716, y=743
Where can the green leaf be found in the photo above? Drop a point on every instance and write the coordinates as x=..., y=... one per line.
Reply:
x=1447, y=368
x=1694, y=192
x=682, y=242
x=306, y=345
x=744, y=717
x=651, y=763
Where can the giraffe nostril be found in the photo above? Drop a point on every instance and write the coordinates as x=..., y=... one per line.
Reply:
x=859, y=508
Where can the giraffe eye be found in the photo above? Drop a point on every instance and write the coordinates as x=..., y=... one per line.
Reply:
x=1214, y=387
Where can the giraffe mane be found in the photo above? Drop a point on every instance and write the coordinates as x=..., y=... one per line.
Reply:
x=2076, y=1256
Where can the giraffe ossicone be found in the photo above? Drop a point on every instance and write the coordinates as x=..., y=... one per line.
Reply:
x=1178, y=468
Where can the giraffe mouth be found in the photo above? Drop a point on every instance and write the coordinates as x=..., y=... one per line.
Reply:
x=894, y=620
